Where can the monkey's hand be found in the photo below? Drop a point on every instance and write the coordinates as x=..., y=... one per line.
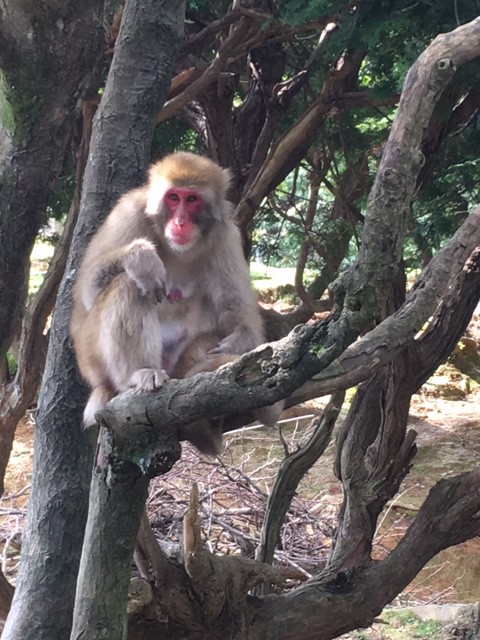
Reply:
x=144, y=267
x=147, y=380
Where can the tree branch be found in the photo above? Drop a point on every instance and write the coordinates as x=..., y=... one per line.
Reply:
x=243, y=31
x=291, y=471
x=380, y=345
x=293, y=145
x=329, y=605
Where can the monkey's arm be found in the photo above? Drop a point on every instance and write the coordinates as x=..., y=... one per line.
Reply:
x=139, y=262
x=238, y=314
x=123, y=244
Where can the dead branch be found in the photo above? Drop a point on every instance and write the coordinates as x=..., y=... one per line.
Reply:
x=292, y=470
x=244, y=34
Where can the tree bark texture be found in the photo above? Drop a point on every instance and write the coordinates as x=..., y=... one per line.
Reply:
x=291, y=471
x=46, y=68
x=117, y=501
x=119, y=155
x=282, y=369
x=374, y=450
x=326, y=607
x=333, y=602
x=19, y=394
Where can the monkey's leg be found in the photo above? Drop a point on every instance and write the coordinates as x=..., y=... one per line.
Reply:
x=130, y=338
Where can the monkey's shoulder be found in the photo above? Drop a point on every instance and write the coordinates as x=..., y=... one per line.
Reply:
x=129, y=209
x=126, y=222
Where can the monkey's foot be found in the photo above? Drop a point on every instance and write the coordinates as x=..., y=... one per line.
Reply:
x=147, y=380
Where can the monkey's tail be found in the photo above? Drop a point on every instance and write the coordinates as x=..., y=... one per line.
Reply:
x=98, y=399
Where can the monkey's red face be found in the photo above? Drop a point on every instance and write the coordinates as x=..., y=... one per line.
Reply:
x=183, y=206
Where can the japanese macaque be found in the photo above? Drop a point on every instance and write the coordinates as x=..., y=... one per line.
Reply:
x=164, y=268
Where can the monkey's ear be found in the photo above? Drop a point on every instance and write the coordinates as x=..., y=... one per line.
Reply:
x=157, y=187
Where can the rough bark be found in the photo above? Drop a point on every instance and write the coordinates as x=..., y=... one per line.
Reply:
x=6, y=595
x=327, y=605
x=310, y=353
x=202, y=591
x=118, y=494
x=330, y=605
x=291, y=148
x=18, y=395
x=245, y=34
x=381, y=344
x=119, y=154
x=47, y=52
x=374, y=449
x=335, y=601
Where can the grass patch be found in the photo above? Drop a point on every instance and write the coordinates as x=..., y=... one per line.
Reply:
x=399, y=625
x=264, y=277
x=403, y=622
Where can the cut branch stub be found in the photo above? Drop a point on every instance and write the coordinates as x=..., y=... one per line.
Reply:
x=153, y=451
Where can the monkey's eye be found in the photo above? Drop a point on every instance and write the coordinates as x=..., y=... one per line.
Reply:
x=173, y=196
x=192, y=198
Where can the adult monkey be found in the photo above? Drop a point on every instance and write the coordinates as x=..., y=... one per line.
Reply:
x=166, y=266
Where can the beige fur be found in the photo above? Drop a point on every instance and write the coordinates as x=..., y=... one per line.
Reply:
x=126, y=333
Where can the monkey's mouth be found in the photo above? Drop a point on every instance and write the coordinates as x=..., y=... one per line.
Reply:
x=180, y=241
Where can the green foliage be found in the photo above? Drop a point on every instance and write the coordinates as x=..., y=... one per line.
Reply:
x=11, y=364
x=7, y=120
x=200, y=11
x=20, y=103
x=176, y=135
x=301, y=11
x=62, y=197
x=411, y=625
x=400, y=625
x=383, y=28
x=451, y=190
x=58, y=208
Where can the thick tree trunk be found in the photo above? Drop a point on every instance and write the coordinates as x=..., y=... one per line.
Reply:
x=18, y=395
x=119, y=154
x=117, y=501
x=45, y=72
